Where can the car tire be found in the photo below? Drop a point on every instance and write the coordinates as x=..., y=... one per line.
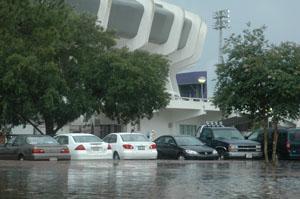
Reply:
x=20, y=157
x=116, y=156
x=221, y=153
x=180, y=157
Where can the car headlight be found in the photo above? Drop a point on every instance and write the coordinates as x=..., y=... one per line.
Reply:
x=191, y=152
x=232, y=147
x=258, y=146
x=215, y=152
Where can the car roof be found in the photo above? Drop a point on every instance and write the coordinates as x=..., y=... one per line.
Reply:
x=76, y=134
x=125, y=133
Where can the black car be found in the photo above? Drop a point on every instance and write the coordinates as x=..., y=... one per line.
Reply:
x=288, y=144
x=183, y=147
x=229, y=142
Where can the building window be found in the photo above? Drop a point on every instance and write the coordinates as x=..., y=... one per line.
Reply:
x=187, y=129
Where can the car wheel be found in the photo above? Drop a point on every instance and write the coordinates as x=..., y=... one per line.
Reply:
x=116, y=156
x=180, y=157
x=221, y=153
x=21, y=157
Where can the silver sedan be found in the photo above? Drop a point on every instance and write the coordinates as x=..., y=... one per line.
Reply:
x=33, y=147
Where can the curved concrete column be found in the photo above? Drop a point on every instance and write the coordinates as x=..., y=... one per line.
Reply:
x=130, y=38
x=191, y=52
x=188, y=50
x=103, y=13
x=169, y=45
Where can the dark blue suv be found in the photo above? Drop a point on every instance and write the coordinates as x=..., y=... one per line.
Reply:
x=229, y=142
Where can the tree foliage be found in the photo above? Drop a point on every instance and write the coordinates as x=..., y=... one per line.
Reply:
x=56, y=65
x=259, y=79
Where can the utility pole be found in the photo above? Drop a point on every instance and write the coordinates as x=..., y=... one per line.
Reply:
x=222, y=22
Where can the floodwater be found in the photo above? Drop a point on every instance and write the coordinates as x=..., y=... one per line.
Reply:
x=148, y=179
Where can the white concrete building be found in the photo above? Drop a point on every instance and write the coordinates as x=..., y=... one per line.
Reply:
x=158, y=27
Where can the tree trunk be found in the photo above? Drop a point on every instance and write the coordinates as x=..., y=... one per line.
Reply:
x=274, y=144
x=49, y=127
x=264, y=124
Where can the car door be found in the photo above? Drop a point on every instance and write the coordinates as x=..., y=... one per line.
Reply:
x=171, y=148
x=14, y=148
x=161, y=150
x=5, y=149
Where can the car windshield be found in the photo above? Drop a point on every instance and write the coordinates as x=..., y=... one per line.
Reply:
x=134, y=138
x=228, y=133
x=86, y=139
x=253, y=136
x=188, y=141
x=295, y=136
x=41, y=140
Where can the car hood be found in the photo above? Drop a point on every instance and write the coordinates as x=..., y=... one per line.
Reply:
x=239, y=142
x=198, y=148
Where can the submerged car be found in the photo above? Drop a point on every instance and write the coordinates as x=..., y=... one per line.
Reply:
x=85, y=146
x=183, y=147
x=229, y=142
x=288, y=144
x=126, y=145
x=33, y=147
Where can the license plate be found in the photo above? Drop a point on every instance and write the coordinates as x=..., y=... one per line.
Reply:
x=141, y=147
x=96, y=148
x=53, y=159
x=248, y=155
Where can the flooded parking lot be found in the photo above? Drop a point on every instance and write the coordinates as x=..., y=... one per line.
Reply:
x=148, y=179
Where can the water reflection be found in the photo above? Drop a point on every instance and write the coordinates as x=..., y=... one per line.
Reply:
x=148, y=179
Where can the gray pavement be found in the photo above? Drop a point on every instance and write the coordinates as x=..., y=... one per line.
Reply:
x=149, y=179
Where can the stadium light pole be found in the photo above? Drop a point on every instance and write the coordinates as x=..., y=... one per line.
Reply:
x=222, y=22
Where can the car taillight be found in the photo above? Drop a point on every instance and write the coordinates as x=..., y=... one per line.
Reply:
x=109, y=147
x=37, y=150
x=65, y=150
x=288, y=146
x=80, y=148
x=152, y=146
x=127, y=146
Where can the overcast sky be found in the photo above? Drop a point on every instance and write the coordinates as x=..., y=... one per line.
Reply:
x=280, y=16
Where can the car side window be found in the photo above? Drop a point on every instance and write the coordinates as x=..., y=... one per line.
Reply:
x=107, y=138
x=63, y=140
x=11, y=140
x=170, y=141
x=203, y=134
x=160, y=141
x=113, y=139
x=19, y=141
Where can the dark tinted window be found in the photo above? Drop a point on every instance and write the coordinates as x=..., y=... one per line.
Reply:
x=113, y=138
x=227, y=133
x=169, y=140
x=160, y=140
x=107, y=138
x=294, y=136
x=188, y=141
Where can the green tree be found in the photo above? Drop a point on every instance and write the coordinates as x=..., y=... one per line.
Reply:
x=133, y=84
x=49, y=56
x=284, y=73
x=248, y=82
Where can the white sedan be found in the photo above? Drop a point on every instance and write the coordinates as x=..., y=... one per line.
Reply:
x=131, y=146
x=85, y=146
